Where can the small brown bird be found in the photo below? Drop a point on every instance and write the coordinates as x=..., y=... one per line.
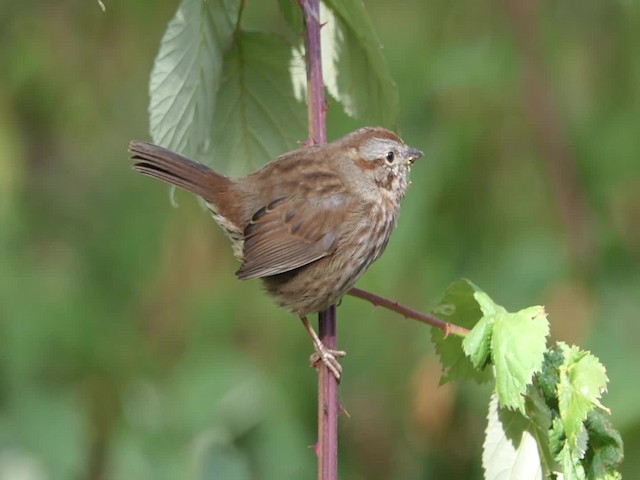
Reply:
x=310, y=222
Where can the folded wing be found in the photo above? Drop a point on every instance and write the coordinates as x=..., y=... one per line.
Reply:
x=290, y=233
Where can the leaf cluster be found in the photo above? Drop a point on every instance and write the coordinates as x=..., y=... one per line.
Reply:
x=227, y=96
x=545, y=416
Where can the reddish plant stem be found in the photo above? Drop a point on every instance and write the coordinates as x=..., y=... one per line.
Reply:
x=377, y=301
x=328, y=406
x=315, y=85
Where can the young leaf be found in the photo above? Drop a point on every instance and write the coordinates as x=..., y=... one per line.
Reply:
x=476, y=344
x=187, y=73
x=582, y=381
x=549, y=377
x=517, y=345
x=557, y=437
x=489, y=307
x=510, y=449
x=458, y=306
x=567, y=456
x=356, y=72
x=572, y=468
x=605, y=452
x=540, y=415
x=257, y=117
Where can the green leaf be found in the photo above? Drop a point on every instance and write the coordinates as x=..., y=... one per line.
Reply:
x=187, y=74
x=540, y=415
x=518, y=344
x=581, y=438
x=476, y=344
x=257, y=117
x=549, y=377
x=510, y=450
x=488, y=306
x=605, y=450
x=356, y=73
x=292, y=14
x=572, y=468
x=582, y=381
x=557, y=437
x=460, y=307
x=559, y=446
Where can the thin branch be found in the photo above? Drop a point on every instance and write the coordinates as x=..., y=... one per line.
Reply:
x=316, y=106
x=328, y=406
x=377, y=301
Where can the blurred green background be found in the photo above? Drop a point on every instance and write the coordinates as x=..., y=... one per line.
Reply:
x=129, y=350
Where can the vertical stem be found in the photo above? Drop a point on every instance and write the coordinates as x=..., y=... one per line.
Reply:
x=315, y=85
x=328, y=407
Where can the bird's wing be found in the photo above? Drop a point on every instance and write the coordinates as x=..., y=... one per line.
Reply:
x=289, y=233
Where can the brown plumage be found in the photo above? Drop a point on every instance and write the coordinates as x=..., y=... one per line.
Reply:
x=309, y=222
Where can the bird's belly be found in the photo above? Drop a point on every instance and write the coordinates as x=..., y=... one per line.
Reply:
x=316, y=286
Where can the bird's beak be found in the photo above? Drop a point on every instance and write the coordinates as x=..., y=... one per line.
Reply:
x=412, y=154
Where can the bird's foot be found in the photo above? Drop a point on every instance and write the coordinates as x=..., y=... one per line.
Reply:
x=323, y=354
x=329, y=358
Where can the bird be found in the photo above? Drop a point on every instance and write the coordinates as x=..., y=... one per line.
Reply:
x=308, y=223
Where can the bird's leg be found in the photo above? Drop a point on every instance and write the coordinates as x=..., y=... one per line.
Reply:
x=322, y=353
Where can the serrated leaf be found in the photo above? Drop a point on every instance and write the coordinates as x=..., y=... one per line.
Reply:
x=458, y=306
x=476, y=344
x=518, y=344
x=569, y=459
x=540, y=415
x=510, y=450
x=605, y=450
x=257, y=117
x=549, y=377
x=557, y=437
x=487, y=305
x=572, y=468
x=581, y=444
x=356, y=73
x=582, y=381
x=187, y=74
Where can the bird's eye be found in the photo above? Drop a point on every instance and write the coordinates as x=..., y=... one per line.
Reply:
x=390, y=157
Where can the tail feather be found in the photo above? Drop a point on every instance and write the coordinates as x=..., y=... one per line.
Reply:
x=170, y=167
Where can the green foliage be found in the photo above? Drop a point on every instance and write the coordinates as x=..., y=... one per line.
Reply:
x=476, y=345
x=510, y=445
x=257, y=117
x=538, y=421
x=518, y=343
x=460, y=307
x=356, y=72
x=582, y=381
x=121, y=324
x=292, y=14
x=605, y=451
x=225, y=96
x=187, y=74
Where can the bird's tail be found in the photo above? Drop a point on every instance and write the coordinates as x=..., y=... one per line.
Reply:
x=158, y=162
